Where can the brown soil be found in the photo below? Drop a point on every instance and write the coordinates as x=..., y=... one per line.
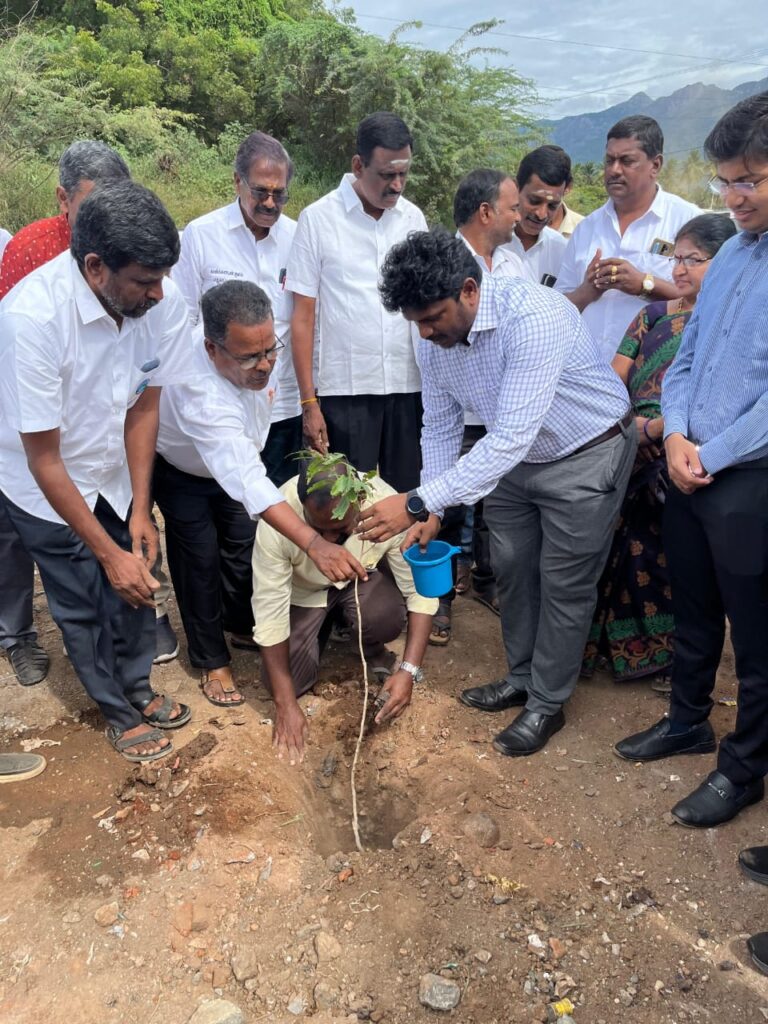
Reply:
x=242, y=885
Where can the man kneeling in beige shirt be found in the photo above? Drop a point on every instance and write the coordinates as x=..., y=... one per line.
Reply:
x=293, y=604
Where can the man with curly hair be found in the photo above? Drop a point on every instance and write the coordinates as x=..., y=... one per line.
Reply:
x=553, y=465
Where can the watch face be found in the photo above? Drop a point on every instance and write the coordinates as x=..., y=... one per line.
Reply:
x=415, y=505
x=648, y=283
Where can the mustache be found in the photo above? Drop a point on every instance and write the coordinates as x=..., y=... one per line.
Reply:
x=266, y=211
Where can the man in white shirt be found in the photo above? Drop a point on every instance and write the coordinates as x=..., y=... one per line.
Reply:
x=616, y=260
x=211, y=484
x=368, y=400
x=485, y=212
x=250, y=240
x=542, y=179
x=86, y=341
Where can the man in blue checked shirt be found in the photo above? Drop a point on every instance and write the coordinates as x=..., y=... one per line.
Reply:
x=554, y=463
x=715, y=407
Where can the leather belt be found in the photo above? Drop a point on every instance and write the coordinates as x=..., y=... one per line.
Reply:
x=607, y=434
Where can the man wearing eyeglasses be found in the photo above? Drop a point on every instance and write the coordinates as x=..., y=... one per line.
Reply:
x=615, y=261
x=249, y=240
x=211, y=485
x=715, y=408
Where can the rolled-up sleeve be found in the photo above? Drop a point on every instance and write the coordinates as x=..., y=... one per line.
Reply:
x=272, y=584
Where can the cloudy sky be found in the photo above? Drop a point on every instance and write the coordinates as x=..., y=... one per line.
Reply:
x=693, y=41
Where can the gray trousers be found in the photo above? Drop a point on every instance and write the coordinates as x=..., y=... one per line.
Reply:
x=17, y=580
x=110, y=644
x=551, y=526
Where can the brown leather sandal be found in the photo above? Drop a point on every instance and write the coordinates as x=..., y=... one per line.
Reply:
x=227, y=685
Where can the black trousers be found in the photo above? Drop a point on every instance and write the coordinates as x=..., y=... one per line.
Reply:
x=483, y=579
x=209, y=539
x=283, y=441
x=381, y=432
x=716, y=543
x=110, y=644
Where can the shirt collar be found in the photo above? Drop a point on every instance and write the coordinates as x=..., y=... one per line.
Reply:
x=351, y=199
x=657, y=207
x=486, y=318
x=88, y=305
x=236, y=220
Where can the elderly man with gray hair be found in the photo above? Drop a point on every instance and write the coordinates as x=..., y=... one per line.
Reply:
x=249, y=239
x=82, y=165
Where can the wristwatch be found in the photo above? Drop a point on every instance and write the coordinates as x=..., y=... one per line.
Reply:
x=648, y=285
x=414, y=506
x=415, y=671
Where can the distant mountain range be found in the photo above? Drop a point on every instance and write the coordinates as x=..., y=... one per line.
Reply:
x=685, y=117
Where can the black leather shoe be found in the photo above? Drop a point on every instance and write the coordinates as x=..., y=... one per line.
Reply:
x=498, y=696
x=656, y=742
x=754, y=863
x=758, y=950
x=528, y=733
x=716, y=801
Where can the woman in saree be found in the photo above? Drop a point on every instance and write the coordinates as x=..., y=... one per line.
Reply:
x=633, y=626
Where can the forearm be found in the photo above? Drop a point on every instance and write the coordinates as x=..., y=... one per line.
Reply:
x=662, y=290
x=141, y=423
x=303, y=343
x=282, y=518
x=276, y=662
x=417, y=637
x=583, y=296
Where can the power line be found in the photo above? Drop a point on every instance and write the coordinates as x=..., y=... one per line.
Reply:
x=566, y=42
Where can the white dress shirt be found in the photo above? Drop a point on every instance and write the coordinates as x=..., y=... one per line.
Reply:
x=220, y=246
x=210, y=428
x=5, y=237
x=609, y=317
x=543, y=257
x=504, y=263
x=67, y=365
x=337, y=254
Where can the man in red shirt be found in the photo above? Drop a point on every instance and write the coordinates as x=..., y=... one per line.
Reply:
x=82, y=166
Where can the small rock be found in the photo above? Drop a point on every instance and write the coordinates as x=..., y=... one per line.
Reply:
x=438, y=993
x=590, y=792
x=482, y=828
x=535, y=942
x=345, y=875
x=245, y=964
x=107, y=914
x=327, y=996
x=727, y=965
x=140, y=855
x=72, y=917
x=296, y=1005
x=336, y=862
x=327, y=947
x=217, y=1011
x=483, y=956
x=104, y=881
x=178, y=787
x=558, y=948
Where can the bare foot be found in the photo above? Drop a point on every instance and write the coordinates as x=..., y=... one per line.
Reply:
x=145, y=747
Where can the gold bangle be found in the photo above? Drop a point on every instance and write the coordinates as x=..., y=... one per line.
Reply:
x=308, y=401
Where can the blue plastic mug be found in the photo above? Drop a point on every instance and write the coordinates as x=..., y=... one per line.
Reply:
x=432, y=575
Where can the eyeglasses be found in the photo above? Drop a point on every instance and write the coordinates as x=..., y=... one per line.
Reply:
x=279, y=196
x=689, y=261
x=740, y=188
x=249, y=362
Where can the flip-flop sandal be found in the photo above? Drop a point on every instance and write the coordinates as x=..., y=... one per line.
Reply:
x=463, y=579
x=241, y=644
x=492, y=603
x=117, y=738
x=161, y=718
x=207, y=678
x=17, y=767
x=441, y=626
